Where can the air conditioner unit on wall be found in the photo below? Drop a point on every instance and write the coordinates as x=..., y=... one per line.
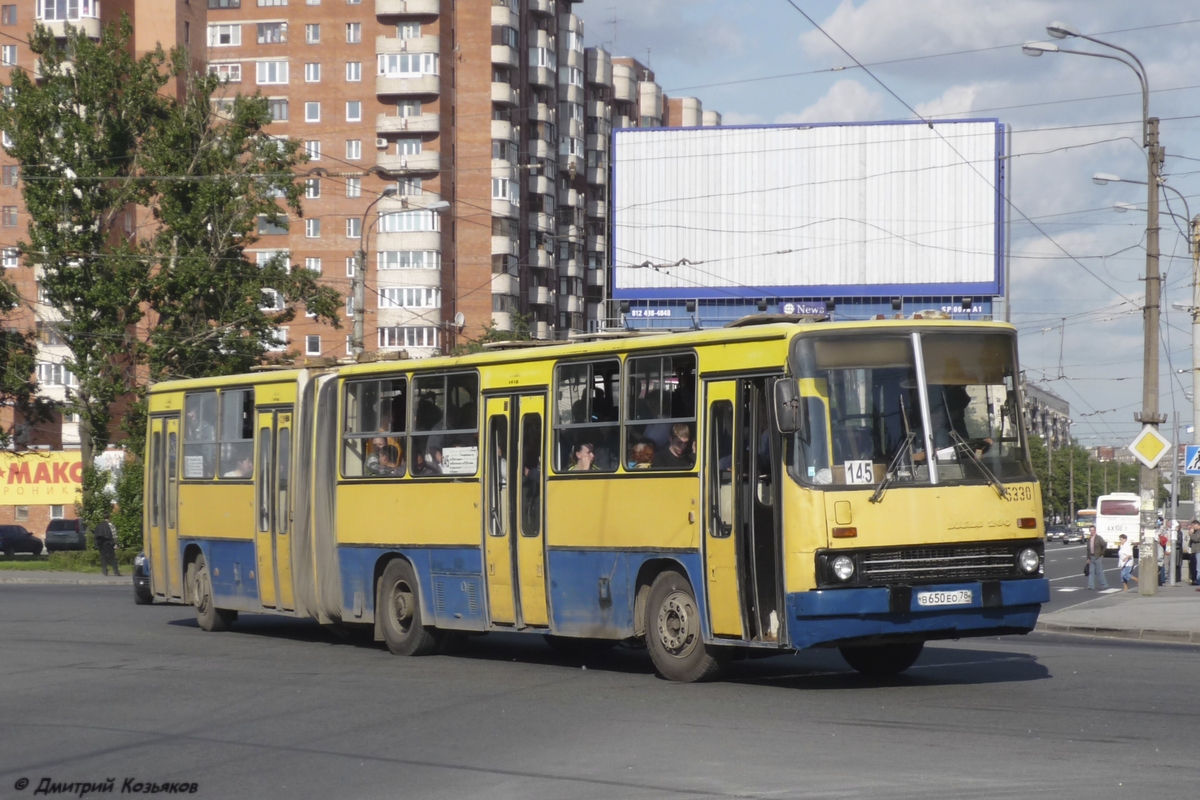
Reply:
x=381, y=143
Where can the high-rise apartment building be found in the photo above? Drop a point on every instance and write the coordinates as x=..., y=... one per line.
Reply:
x=465, y=146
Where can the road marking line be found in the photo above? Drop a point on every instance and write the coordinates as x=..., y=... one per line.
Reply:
x=1109, y=591
x=1067, y=588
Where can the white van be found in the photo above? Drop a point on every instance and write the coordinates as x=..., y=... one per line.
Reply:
x=1118, y=514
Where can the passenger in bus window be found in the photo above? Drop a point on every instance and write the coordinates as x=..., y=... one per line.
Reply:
x=641, y=455
x=678, y=454
x=385, y=459
x=583, y=458
x=429, y=463
x=244, y=467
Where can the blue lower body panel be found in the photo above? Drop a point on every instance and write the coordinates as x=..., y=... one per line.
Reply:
x=450, y=582
x=233, y=570
x=841, y=616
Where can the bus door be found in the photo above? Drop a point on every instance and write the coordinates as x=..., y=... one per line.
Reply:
x=273, y=463
x=514, y=540
x=756, y=450
x=166, y=572
x=721, y=537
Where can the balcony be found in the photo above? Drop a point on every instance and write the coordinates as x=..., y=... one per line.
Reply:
x=504, y=169
x=568, y=197
x=544, y=7
x=541, y=221
x=625, y=88
x=390, y=123
x=541, y=76
x=89, y=25
x=503, y=15
x=408, y=240
x=596, y=244
x=503, y=94
x=540, y=112
x=567, y=163
x=502, y=129
x=595, y=277
x=407, y=8
x=574, y=304
x=504, y=55
x=571, y=93
x=540, y=149
x=429, y=161
x=504, y=246
x=597, y=209
x=505, y=284
x=598, y=108
x=540, y=295
x=599, y=69
x=388, y=45
x=540, y=184
x=572, y=268
x=504, y=208
x=414, y=86
x=597, y=176
x=596, y=141
x=409, y=202
x=541, y=258
x=571, y=58
x=543, y=330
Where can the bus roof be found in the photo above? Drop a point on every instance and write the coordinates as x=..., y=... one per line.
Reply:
x=540, y=350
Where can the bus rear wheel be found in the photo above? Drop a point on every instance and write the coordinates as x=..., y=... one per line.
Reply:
x=673, y=634
x=208, y=615
x=399, y=608
x=883, y=660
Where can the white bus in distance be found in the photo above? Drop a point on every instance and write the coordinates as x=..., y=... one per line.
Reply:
x=1118, y=514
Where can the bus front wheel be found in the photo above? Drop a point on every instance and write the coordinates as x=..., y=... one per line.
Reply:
x=399, y=608
x=883, y=660
x=208, y=615
x=673, y=634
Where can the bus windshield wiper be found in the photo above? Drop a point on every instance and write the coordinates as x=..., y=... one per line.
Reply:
x=964, y=446
x=887, y=476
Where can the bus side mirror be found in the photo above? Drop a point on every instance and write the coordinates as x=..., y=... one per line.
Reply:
x=789, y=406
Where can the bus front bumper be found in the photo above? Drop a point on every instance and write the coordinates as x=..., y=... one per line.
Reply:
x=834, y=617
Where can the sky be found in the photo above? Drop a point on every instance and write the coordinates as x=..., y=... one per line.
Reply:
x=1077, y=264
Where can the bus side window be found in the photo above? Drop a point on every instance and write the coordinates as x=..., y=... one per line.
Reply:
x=445, y=430
x=376, y=418
x=586, y=412
x=200, y=436
x=660, y=412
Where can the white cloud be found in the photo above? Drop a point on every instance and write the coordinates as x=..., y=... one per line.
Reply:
x=846, y=101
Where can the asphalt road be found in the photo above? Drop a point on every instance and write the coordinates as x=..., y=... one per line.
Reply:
x=1068, y=586
x=96, y=688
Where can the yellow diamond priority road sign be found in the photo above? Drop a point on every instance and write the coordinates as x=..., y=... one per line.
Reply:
x=1149, y=447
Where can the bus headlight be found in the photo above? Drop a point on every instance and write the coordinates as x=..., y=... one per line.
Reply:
x=1028, y=560
x=843, y=567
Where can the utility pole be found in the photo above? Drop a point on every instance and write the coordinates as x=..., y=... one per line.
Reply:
x=1174, y=495
x=1071, y=485
x=1148, y=483
x=1050, y=472
x=1090, y=503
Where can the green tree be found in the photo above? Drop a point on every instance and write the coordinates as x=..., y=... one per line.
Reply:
x=519, y=333
x=18, y=360
x=75, y=132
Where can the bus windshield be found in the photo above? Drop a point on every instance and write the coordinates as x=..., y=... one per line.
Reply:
x=867, y=414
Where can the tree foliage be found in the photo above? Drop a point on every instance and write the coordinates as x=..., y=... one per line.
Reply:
x=519, y=333
x=18, y=360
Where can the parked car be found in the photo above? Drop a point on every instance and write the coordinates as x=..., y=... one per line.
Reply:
x=1056, y=532
x=141, y=581
x=65, y=534
x=15, y=539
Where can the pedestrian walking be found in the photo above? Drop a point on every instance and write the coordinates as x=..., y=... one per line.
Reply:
x=1095, y=559
x=1125, y=562
x=1192, y=543
x=106, y=539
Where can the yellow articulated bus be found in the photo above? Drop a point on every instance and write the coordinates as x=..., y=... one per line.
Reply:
x=771, y=487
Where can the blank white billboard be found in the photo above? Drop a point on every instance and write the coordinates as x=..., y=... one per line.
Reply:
x=846, y=210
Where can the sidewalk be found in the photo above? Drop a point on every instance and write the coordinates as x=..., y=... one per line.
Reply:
x=1172, y=616
x=72, y=578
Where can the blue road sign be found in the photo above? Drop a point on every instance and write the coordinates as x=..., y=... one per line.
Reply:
x=1191, y=460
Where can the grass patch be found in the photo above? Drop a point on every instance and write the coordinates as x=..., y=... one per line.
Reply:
x=64, y=561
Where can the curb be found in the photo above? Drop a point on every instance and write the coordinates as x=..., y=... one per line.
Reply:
x=57, y=581
x=1130, y=634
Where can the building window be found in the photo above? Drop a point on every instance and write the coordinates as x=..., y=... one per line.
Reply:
x=353, y=111
x=230, y=73
x=543, y=57
x=405, y=221
x=410, y=297
x=504, y=189
x=350, y=306
x=267, y=227
x=312, y=228
x=8, y=216
x=354, y=187
x=21, y=514
x=312, y=33
x=408, y=30
x=408, y=147
x=353, y=71
x=67, y=10
x=312, y=148
x=504, y=35
x=351, y=266
x=312, y=345
x=224, y=35
x=571, y=75
x=56, y=512
x=53, y=374
x=271, y=300
x=10, y=174
x=272, y=32
x=312, y=189
x=409, y=259
x=10, y=257
x=272, y=2
x=278, y=106
x=353, y=32
x=408, y=108
x=312, y=264
x=279, y=341
x=353, y=149
x=401, y=65
x=312, y=112
x=272, y=72
x=406, y=336
x=408, y=186
x=8, y=55
x=354, y=228
x=312, y=73
x=8, y=15
x=224, y=3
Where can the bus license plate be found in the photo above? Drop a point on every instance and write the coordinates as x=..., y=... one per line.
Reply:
x=959, y=598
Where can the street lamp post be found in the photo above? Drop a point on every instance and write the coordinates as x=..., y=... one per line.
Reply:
x=359, y=292
x=1149, y=415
